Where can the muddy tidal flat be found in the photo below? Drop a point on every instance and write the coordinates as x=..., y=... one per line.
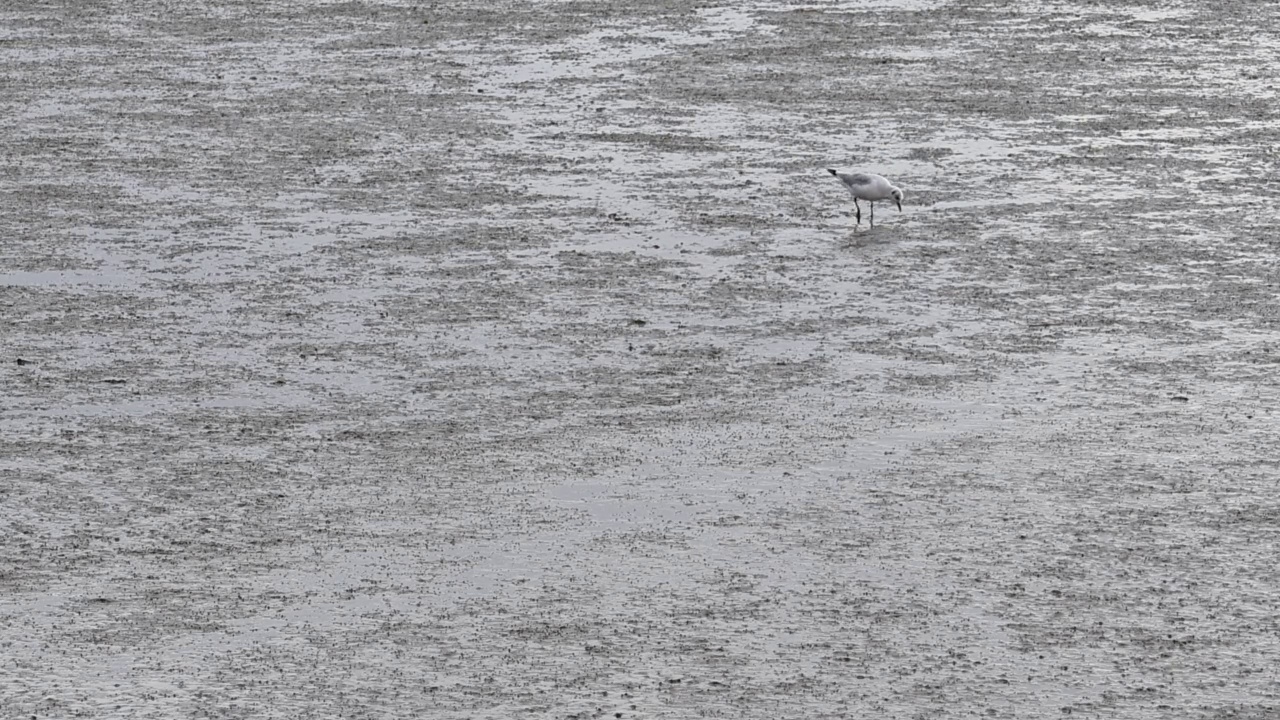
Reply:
x=521, y=360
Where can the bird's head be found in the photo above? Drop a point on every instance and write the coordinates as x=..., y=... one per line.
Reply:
x=897, y=198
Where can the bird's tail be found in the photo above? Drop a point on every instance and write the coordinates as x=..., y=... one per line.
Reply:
x=833, y=172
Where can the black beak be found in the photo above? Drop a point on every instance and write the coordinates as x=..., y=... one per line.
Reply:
x=899, y=202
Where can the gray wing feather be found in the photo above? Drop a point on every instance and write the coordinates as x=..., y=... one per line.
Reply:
x=854, y=179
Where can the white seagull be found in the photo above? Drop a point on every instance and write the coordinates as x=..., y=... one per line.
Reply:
x=869, y=187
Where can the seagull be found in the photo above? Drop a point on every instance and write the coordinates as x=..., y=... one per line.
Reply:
x=869, y=187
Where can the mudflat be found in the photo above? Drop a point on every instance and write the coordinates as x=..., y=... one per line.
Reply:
x=473, y=360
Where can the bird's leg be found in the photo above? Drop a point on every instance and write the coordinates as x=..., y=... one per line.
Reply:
x=873, y=214
x=857, y=211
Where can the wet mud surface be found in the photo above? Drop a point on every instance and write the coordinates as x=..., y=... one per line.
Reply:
x=493, y=361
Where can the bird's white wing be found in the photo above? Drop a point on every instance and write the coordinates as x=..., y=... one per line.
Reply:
x=855, y=180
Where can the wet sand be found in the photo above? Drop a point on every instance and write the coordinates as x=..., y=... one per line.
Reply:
x=397, y=360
